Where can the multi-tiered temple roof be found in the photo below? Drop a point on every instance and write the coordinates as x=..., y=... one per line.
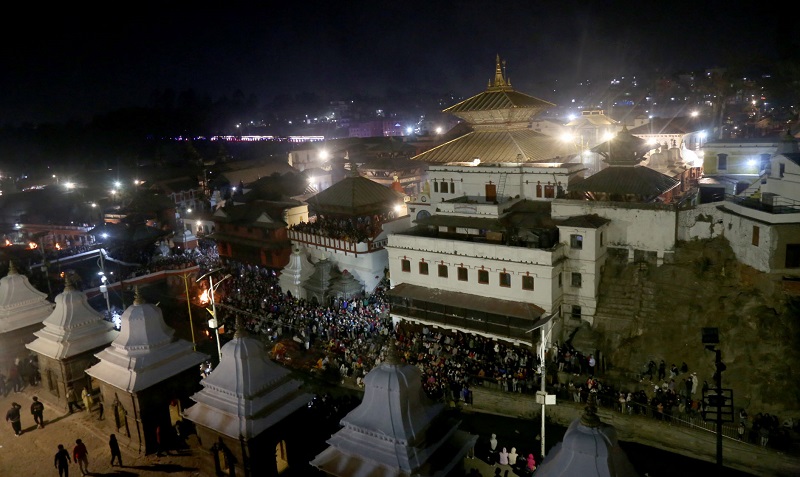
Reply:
x=499, y=122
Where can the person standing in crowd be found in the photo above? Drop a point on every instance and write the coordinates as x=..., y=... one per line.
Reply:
x=116, y=454
x=87, y=399
x=81, y=456
x=14, y=418
x=14, y=379
x=37, y=410
x=62, y=461
x=72, y=399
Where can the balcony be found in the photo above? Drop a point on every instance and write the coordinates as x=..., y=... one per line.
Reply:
x=769, y=203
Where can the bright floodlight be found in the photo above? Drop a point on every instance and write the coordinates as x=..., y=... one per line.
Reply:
x=439, y=130
x=117, y=184
x=104, y=235
x=752, y=162
x=69, y=185
x=702, y=134
x=398, y=208
x=324, y=154
x=409, y=130
x=608, y=136
x=695, y=114
x=567, y=137
x=188, y=211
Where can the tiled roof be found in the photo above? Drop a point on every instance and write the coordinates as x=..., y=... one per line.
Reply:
x=355, y=196
x=636, y=180
x=590, y=221
x=679, y=125
x=503, y=146
x=263, y=214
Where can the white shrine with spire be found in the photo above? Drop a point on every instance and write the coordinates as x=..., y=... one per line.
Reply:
x=65, y=347
x=144, y=370
x=23, y=308
x=249, y=404
x=396, y=431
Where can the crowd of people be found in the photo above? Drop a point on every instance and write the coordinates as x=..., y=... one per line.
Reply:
x=352, y=229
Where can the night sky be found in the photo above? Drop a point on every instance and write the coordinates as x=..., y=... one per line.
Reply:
x=63, y=63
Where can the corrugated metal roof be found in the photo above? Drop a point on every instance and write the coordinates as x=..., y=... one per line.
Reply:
x=482, y=303
x=499, y=99
x=590, y=221
x=480, y=223
x=636, y=180
x=503, y=146
x=355, y=196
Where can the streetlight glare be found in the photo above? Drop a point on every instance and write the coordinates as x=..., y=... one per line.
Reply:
x=567, y=137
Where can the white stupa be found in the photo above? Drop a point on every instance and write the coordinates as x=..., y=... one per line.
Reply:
x=590, y=448
x=21, y=304
x=145, y=352
x=295, y=273
x=396, y=431
x=73, y=327
x=247, y=393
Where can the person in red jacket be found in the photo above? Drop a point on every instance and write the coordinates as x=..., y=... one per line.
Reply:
x=81, y=456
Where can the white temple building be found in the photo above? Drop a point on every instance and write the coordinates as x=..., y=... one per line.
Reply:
x=144, y=370
x=65, y=347
x=396, y=431
x=250, y=404
x=23, y=308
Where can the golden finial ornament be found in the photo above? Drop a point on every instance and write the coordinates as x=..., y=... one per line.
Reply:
x=12, y=269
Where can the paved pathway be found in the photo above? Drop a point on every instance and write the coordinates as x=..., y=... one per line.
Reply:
x=32, y=453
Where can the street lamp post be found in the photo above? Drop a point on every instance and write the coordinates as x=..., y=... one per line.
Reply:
x=185, y=277
x=541, y=395
x=213, y=322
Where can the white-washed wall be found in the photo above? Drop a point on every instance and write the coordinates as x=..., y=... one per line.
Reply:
x=636, y=226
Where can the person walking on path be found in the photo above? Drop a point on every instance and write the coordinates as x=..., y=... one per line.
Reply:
x=72, y=399
x=14, y=418
x=62, y=461
x=37, y=409
x=81, y=456
x=113, y=445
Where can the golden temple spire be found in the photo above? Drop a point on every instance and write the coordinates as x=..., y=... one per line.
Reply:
x=499, y=78
x=68, y=282
x=241, y=331
x=137, y=297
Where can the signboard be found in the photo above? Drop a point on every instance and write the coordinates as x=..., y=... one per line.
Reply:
x=715, y=405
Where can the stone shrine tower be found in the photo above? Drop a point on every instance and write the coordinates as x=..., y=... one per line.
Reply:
x=23, y=308
x=65, y=347
x=143, y=371
x=295, y=273
x=249, y=408
x=396, y=431
x=590, y=449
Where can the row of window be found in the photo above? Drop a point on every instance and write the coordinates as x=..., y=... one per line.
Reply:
x=444, y=187
x=504, y=278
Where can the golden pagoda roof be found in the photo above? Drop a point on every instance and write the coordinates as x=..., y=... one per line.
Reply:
x=499, y=95
x=512, y=146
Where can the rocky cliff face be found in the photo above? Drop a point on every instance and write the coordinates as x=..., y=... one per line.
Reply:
x=657, y=312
